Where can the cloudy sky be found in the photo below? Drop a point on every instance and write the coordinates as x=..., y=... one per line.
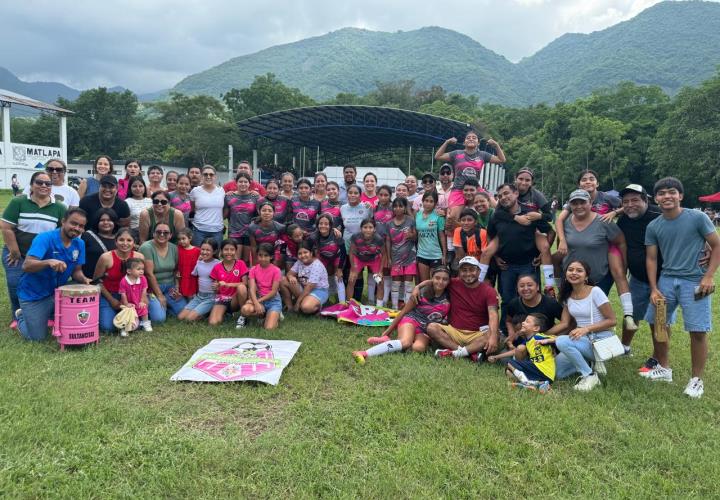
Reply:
x=148, y=45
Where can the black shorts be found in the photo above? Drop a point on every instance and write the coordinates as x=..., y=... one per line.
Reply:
x=529, y=369
x=429, y=262
x=242, y=240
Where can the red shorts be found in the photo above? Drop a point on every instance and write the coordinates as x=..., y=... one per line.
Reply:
x=409, y=270
x=418, y=328
x=373, y=265
x=455, y=198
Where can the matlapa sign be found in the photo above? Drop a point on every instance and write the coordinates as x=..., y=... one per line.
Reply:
x=29, y=155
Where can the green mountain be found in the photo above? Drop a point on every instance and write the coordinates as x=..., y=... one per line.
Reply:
x=670, y=44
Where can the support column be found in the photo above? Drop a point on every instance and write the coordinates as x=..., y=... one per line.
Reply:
x=63, y=139
x=256, y=172
x=230, y=162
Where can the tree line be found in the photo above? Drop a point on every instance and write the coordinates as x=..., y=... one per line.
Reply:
x=627, y=133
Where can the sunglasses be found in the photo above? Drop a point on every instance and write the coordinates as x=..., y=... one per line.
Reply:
x=43, y=183
x=428, y=182
x=52, y=170
x=162, y=233
x=160, y=202
x=208, y=174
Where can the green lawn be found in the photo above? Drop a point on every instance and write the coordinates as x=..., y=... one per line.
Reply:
x=106, y=421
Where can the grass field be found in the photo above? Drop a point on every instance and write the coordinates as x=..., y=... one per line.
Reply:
x=107, y=422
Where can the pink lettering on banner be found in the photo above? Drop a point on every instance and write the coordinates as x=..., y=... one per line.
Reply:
x=232, y=364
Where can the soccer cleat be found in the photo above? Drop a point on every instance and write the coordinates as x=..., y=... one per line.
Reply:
x=587, y=383
x=521, y=385
x=123, y=333
x=359, y=357
x=647, y=367
x=660, y=374
x=444, y=353
x=147, y=326
x=377, y=340
x=694, y=388
x=629, y=323
x=240, y=322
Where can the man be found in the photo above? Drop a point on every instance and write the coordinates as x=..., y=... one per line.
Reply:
x=106, y=198
x=513, y=244
x=244, y=166
x=680, y=235
x=473, y=315
x=59, y=191
x=412, y=184
x=194, y=173
x=349, y=176
x=637, y=214
x=52, y=259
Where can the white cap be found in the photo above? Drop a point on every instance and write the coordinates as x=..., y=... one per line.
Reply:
x=469, y=259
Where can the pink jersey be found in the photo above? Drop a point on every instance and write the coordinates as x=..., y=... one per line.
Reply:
x=264, y=278
x=371, y=202
x=432, y=310
x=234, y=275
x=368, y=250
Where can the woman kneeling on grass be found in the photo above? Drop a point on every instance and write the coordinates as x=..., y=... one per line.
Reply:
x=412, y=321
x=230, y=284
x=264, y=299
x=307, y=283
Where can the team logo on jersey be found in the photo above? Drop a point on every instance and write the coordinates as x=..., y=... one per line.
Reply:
x=75, y=255
x=302, y=216
x=435, y=317
x=469, y=172
x=236, y=272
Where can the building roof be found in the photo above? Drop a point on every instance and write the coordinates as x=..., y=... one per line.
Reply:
x=7, y=97
x=352, y=130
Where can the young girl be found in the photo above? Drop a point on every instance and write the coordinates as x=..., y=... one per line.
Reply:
x=402, y=191
x=187, y=282
x=264, y=299
x=367, y=249
x=137, y=200
x=305, y=209
x=133, y=292
x=266, y=230
x=290, y=242
x=229, y=283
x=240, y=208
x=171, y=178
x=204, y=300
x=331, y=205
x=432, y=244
x=369, y=196
x=180, y=197
x=411, y=323
x=133, y=168
x=330, y=250
x=307, y=283
x=383, y=214
x=400, y=248
x=280, y=203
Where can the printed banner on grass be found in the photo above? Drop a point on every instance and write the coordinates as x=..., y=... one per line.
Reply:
x=233, y=360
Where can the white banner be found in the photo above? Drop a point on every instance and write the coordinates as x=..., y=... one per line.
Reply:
x=29, y=155
x=233, y=360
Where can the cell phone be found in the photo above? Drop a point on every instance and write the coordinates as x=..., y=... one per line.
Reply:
x=699, y=295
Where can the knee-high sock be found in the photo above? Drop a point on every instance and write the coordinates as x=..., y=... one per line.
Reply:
x=387, y=286
x=340, y=289
x=395, y=294
x=371, y=285
x=388, y=347
x=408, y=290
x=626, y=301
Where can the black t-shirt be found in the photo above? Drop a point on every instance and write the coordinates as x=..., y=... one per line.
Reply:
x=517, y=242
x=93, y=251
x=535, y=201
x=634, y=231
x=547, y=306
x=91, y=204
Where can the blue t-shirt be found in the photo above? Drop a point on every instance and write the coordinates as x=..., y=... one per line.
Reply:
x=48, y=245
x=680, y=241
x=428, y=230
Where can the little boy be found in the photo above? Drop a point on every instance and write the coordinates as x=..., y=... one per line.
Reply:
x=469, y=239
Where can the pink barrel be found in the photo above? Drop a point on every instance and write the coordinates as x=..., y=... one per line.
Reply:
x=77, y=315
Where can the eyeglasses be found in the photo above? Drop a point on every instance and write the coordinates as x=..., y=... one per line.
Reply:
x=55, y=170
x=208, y=174
x=162, y=233
x=160, y=202
x=43, y=183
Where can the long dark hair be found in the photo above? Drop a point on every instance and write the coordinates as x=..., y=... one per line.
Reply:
x=566, y=287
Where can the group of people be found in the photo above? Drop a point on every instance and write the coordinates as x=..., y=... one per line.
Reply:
x=435, y=252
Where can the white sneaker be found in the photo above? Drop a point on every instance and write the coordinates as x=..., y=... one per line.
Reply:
x=588, y=383
x=240, y=322
x=599, y=367
x=694, y=388
x=123, y=333
x=660, y=374
x=147, y=326
x=630, y=324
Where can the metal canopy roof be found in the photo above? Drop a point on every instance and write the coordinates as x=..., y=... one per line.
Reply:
x=352, y=130
x=7, y=97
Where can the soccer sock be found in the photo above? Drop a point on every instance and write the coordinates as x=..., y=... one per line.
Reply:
x=387, y=286
x=340, y=289
x=379, y=303
x=626, y=301
x=395, y=294
x=548, y=274
x=371, y=288
x=385, y=348
x=460, y=352
x=408, y=290
x=483, y=271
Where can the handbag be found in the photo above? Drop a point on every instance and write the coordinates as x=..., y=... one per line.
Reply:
x=608, y=347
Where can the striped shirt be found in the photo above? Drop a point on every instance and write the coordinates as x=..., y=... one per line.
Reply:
x=29, y=219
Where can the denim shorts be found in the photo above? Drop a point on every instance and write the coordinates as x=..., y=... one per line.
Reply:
x=201, y=303
x=274, y=304
x=697, y=314
x=322, y=294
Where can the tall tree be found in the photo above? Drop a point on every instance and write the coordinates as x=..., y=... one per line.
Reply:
x=265, y=95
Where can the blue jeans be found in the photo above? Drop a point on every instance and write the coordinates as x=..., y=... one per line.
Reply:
x=32, y=323
x=508, y=285
x=107, y=314
x=157, y=312
x=12, y=276
x=575, y=355
x=697, y=314
x=200, y=236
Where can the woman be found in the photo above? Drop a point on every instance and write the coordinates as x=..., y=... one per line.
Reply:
x=160, y=213
x=111, y=269
x=280, y=203
x=161, y=259
x=353, y=213
x=23, y=219
x=138, y=201
x=155, y=178
x=369, y=196
x=207, y=201
x=530, y=300
x=305, y=209
x=320, y=184
x=180, y=197
x=171, y=178
x=287, y=185
x=588, y=239
x=530, y=198
x=103, y=165
x=483, y=206
x=589, y=308
x=99, y=239
x=133, y=168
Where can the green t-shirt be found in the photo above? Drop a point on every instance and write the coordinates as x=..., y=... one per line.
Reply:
x=29, y=219
x=484, y=221
x=428, y=230
x=163, y=267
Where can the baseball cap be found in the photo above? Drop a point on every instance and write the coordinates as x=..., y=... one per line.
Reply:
x=634, y=188
x=446, y=168
x=469, y=259
x=579, y=194
x=428, y=176
x=108, y=179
